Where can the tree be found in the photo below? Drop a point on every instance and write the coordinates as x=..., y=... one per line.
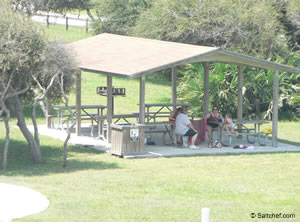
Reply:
x=257, y=90
x=21, y=46
x=54, y=82
x=289, y=17
x=61, y=6
x=222, y=87
x=30, y=68
x=69, y=5
x=249, y=27
x=118, y=16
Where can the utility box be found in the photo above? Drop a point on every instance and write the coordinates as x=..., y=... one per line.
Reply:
x=127, y=139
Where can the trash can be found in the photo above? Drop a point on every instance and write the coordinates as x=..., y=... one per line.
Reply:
x=127, y=139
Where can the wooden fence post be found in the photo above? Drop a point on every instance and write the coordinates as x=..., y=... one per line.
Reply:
x=67, y=25
x=87, y=25
x=47, y=20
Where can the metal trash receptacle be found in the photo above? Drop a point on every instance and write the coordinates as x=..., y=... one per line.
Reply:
x=127, y=139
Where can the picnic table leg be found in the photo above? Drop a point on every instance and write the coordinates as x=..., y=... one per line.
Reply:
x=58, y=120
x=148, y=114
x=101, y=126
x=222, y=137
x=262, y=134
x=92, y=129
x=249, y=136
x=169, y=134
x=98, y=122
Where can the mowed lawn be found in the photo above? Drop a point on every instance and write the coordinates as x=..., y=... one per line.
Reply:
x=98, y=187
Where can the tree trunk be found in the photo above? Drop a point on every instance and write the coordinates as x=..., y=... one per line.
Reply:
x=34, y=147
x=66, y=143
x=89, y=12
x=43, y=107
x=36, y=131
x=5, y=151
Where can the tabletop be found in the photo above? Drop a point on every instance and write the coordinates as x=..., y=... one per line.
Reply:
x=166, y=104
x=250, y=122
x=82, y=107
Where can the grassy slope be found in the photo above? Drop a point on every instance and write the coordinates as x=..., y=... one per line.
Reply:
x=60, y=33
x=126, y=104
x=99, y=187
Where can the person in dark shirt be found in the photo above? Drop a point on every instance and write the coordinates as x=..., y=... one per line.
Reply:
x=214, y=119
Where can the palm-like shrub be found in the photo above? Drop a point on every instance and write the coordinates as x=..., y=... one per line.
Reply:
x=223, y=82
x=222, y=87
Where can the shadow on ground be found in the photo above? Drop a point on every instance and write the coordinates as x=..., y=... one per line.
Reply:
x=20, y=161
x=289, y=142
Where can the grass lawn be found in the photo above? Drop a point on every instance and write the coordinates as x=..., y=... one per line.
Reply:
x=288, y=131
x=129, y=103
x=98, y=187
x=59, y=33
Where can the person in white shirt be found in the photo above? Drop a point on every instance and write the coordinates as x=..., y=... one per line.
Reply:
x=184, y=127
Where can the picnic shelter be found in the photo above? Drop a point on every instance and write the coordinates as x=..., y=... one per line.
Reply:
x=132, y=57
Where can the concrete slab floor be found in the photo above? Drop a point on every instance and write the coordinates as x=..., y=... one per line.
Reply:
x=160, y=150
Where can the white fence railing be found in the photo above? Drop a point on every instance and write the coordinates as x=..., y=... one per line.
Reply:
x=67, y=20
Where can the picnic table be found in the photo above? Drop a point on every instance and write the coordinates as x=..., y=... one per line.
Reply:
x=252, y=132
x=86, y=115
x=161, y=110
x=161, y=127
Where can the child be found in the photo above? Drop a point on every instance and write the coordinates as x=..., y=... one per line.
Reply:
x=229, y=124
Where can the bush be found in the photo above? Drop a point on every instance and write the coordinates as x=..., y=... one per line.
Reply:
x=118, y=17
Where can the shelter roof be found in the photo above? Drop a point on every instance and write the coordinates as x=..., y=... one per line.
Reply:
x=131, y=56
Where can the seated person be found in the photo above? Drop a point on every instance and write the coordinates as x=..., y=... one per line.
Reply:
x=172, y=118
x=174, y=114
x=184, y=127
x=213, y=122
x=229, y=124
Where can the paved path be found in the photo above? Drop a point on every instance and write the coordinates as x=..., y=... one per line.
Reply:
x=160, y=150
x=18, y=201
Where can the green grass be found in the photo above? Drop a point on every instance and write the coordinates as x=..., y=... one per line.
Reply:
x=60, y=33
x=288, y=131
x=98, y=187
x=129, y=103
